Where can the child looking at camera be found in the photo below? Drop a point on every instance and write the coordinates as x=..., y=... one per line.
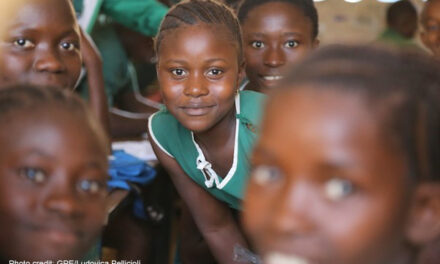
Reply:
x=53, y=175
x=347, y=166
x=207, y=130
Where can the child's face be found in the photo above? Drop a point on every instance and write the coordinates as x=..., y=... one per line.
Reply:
x=325, y=187
x=198, y=72
x=41, y=45
x=431, y=26
x=275, y=35
x=53, y=173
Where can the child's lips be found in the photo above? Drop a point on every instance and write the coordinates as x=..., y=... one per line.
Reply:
x=271, y=79
x=197, y=109
x=61, y=236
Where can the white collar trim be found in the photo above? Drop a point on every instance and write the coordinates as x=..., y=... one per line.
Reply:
x=211, y=177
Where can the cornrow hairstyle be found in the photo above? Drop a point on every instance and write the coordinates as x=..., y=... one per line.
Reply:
x=306, y=6
x=193, y=12
x=400, y=87
x=30, y=99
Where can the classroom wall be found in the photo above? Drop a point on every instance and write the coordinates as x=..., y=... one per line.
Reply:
x=343, y=22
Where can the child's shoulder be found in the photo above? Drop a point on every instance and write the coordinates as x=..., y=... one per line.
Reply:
x=251, y=105
x=164, y=130
x=162, y=121
x=252, y=96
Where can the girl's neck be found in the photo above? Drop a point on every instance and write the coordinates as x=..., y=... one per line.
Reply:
x=219, y=135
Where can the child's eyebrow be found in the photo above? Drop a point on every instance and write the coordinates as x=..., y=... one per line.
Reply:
x=292, y=34
x=175, y=61
x=20, y=28
x=95, y=164
x=263, y=153
x=256, y=34
x=37, y=152
x=215, y=60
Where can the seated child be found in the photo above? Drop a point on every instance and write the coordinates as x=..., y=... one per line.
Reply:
x=401, y=26
x=207, y=130
x=346, y=169
x=40, y=45
x=276, y=34
x=53, y=174
x=431, y=26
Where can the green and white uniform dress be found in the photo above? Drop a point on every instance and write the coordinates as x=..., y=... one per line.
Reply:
x=178, y=142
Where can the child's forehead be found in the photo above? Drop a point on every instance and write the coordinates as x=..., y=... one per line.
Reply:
x=55, y=11
x=7, y=10
x=431, y=9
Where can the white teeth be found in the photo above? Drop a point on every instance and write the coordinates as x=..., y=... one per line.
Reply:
x=280, y=258
x=272, y=78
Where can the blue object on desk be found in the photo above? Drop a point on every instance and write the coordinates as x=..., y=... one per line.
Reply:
x=126, y=170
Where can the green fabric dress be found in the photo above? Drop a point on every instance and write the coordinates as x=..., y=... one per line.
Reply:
x=178, y=142
x=143, y=16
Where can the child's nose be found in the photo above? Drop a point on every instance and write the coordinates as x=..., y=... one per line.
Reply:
x=48, y=61
x=195, y=86
x=62, y=200
x=274, y=57
x=291, y=215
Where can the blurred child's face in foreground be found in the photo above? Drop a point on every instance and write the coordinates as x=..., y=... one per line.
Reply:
x=431, y=25
x=275, y=35
x=40, y=45
x=326, y=187
x=53, y=171
x=199, y=73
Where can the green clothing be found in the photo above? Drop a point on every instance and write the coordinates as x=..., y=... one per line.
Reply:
x=391, y=37
x=141, y=15
x=115, y=61
x=178, y=142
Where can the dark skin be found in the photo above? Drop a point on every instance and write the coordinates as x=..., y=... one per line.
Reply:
x=199, y=73
x=431, y=27
x=139, y=48
x=275, y=36
x=329, y=189
x=43, y=48
x=53, y=172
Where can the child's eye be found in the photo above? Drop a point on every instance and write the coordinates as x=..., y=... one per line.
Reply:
x=337, y=188
x=178, y=72
x=33, y=174
x=257, y=44
x=214, y=72
x=263, y=174
x=433, y=28
x=67, y=46
x=24, y=43
x=291, y=44
x=90, y=186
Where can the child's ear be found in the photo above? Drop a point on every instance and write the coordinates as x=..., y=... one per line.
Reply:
x=424, y=38
x=424, y=219
x=315, y=43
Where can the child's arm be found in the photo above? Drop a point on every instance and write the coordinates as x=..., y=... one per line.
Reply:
x=93, y=64
x=213, y=217
x=125, y=124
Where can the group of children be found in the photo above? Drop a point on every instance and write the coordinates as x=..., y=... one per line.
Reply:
x=343, y=167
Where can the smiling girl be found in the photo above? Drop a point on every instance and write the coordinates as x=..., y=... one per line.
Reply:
x=205, y=133
x=276, y=34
